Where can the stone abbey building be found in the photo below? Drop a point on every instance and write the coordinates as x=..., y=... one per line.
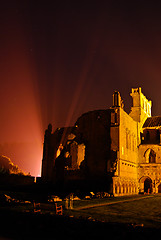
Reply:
x=107, y=150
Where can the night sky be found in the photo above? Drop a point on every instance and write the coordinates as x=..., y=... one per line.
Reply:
x=59, y=59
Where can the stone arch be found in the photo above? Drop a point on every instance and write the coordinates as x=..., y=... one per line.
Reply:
x=119, y=188
x=146, y=155
x=116, y=188
x=150, y=156
x=133, y=189
x=136, y=188
x=146, y=184
x=123, y=188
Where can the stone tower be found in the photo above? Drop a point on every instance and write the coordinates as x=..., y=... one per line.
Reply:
x=141, y=108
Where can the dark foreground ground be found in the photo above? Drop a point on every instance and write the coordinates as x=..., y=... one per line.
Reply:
x=120, y=220
x=16, y=225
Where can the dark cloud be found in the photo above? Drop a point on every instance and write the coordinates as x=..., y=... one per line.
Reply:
x=6, y=165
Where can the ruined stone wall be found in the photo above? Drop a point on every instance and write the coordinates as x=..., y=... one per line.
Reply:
x=52, y=142
x=125, y=180
x=94, y=129
x=109, y=143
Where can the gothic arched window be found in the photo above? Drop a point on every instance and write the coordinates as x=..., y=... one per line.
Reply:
x=152, y=157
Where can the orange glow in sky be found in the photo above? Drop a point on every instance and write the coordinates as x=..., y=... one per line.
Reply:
x=21, y=132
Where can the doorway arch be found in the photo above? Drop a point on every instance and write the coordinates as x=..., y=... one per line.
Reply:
x=147, y=185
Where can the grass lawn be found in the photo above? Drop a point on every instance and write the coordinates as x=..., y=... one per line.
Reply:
x=20, y=222
x=146, y=211
x=135, y=209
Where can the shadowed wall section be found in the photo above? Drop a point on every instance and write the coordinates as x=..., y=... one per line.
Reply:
x=81, y=153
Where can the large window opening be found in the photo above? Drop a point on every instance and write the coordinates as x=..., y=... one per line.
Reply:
x=152, y=157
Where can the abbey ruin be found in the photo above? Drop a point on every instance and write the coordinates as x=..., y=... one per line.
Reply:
x=107, y=150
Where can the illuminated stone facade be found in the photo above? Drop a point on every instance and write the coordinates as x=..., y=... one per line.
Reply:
x=108, y=149
x=149, y=173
